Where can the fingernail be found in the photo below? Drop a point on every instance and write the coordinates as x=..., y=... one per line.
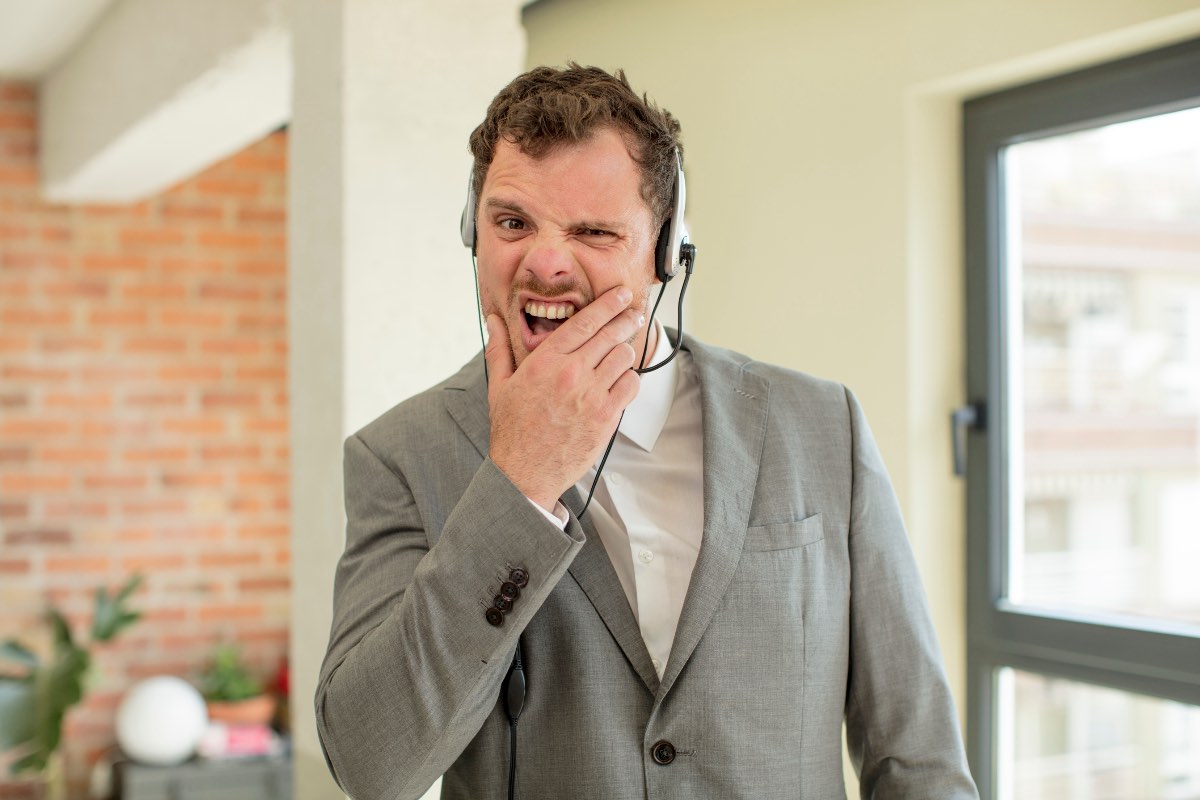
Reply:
x=624, y=295
x=641, y=320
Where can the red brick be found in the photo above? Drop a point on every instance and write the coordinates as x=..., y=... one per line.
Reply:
x=24, y=177
x=13, y=509
x=193, y=318
x=255, y=585
x=18, y=120
x=254, y=160
x=36, y=373
x=161, y=345
x=264, y=532
x=155, y=455
x=228, y=187
x=229, y=240
x=266, y=374
x=156, y=399
x=190, y=373
x=15, y=566
x=193, y=266
x=232, y=347
x=10, y=454
x=33, y=426
x=74, y=455
x=152, y=562
x=178, y=209
x=272, y=267
x=199, y=426
x=218, y=400
x=72, y=510
x=230, y=291
x=115, y=263
x=151, y=237
x=15, y=344
x=193, y=480
x=251, y=215
x=18, y=260
x=24, y=317
x=261, y=321
x=230, y=452
x=91, y=401
x=110, y=481
x=230, y=613
x=229, y=558
x=14, y=232
x=57, y=345
x=154, y=291
x=56, y=234
x=193, y=533
x=161, y=507
x=123, y=317
x=78, y=564
x=18, y=92
x=265, y=425
x=91, y=289
x=14, y=400
x=35, y=482
x=262, y=478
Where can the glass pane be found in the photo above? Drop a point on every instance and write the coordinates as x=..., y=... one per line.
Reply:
x=1061, y=740
x=1104, y=369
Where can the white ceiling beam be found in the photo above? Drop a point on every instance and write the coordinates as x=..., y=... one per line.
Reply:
x=157, y=91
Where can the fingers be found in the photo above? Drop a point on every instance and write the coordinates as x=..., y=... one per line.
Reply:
x=498, y=354
x=589, y=320
x=611, y=367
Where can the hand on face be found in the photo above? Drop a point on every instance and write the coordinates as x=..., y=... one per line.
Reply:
x=552, y=416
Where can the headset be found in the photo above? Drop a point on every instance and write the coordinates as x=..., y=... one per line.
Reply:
x=672, y=252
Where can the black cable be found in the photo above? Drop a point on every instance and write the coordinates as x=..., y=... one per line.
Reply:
x=514, y=703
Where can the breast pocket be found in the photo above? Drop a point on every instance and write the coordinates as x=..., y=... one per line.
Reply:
x=785, y=535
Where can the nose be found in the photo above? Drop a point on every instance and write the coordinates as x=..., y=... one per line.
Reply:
x=550, y=261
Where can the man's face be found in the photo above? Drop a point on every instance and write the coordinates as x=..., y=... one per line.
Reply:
x=557, y=232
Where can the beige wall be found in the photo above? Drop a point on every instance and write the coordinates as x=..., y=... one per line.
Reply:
x=823, y=178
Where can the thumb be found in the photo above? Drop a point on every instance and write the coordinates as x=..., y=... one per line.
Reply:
x=498, y=354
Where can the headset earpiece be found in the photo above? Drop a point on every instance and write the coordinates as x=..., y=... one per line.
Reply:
x=672, y=250
x=467, y=223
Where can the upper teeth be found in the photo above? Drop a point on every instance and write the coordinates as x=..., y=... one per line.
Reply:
x=549, y=310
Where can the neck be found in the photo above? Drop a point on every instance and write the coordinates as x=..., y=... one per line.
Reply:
x=647, y=340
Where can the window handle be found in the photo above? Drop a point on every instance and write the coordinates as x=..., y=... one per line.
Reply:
x=962, y=419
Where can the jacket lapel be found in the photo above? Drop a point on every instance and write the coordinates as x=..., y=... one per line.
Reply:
x=734, y=409
x=467, y=403
x=592, y=569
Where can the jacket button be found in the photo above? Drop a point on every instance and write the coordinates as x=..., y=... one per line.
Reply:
x=663, y=752
x=510, y=590
x=494, y=617
x=520, y=577
x=502, y=603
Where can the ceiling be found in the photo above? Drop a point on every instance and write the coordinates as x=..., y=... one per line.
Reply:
x=36, y=34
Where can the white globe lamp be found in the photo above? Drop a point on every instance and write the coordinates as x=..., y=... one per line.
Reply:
x=161, y=720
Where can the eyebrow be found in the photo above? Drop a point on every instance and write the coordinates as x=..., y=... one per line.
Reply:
x=494, y=203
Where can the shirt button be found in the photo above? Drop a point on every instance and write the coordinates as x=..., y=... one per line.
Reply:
x=614, y=478
x=657, y=664
x=645, y=556
x=510, y=590
x=520, y=577
x=663, y=752
x=494, y=617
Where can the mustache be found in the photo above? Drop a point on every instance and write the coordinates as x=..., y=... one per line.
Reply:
x=535, y=285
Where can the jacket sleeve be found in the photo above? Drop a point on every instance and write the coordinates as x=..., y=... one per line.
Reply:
x=413, y=668
x=901, y=726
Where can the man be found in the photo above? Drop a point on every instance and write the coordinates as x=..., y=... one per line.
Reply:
x=739, y=584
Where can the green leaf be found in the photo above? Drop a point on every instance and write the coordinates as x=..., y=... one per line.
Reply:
x=18, y=711
x=12, y=650
x=112, y=615
x=61, y=630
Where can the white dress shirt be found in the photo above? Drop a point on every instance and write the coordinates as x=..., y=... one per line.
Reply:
x=648, y=508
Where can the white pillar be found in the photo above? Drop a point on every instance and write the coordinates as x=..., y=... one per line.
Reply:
x=381, y=304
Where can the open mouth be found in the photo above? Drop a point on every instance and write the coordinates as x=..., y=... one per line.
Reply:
x=543, y=318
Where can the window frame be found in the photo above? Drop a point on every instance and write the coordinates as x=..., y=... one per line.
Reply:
x=1145, y=657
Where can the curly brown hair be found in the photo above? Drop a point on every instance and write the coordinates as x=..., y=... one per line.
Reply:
x=546, y=108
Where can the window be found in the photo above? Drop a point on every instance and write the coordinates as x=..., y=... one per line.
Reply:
x=1083, y=474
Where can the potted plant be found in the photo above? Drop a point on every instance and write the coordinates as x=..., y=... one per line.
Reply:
x=234, y=695
x=35, y=695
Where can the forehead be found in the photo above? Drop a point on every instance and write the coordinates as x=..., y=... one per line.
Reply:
x=596, y=175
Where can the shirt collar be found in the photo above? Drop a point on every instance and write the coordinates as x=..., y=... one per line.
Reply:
x=647, y=414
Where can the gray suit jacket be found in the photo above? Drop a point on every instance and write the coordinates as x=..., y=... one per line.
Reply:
x=804, y=608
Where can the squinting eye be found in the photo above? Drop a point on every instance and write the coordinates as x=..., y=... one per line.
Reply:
x=596, y=232
x=511, y=224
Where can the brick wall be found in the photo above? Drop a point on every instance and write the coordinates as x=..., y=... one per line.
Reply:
x=143, y=415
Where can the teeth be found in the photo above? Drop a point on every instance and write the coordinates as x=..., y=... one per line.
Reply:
x=549, y=310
